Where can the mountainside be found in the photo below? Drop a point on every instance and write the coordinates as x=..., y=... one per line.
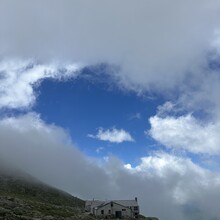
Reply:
x=23, y=197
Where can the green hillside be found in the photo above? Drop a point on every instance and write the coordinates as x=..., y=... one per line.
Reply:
x=23, y=197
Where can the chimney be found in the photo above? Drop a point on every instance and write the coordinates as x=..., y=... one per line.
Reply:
x=136, y=199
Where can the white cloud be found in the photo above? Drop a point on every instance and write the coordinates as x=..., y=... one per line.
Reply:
x=163, y=164
x=187, y=133
x=18, y=79
x=165, y=108
x=184, y=187
x=166, y=166
x=112, y=135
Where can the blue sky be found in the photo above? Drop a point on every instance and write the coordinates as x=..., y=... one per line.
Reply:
x=115, y=99
x=81, y=107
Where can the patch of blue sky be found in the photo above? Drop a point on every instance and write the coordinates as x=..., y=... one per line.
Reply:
x=83, y=105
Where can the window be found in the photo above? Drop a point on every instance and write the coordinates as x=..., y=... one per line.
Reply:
x=111, y=204
x=136, y=208
x=123, y=209
x=102, y=212
x=109, y=211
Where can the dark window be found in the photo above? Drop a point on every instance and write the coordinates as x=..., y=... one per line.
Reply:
x=123, y=209
x=111, y=204
x=109, y=211
x=136, y=208
x=102, y=212
x=118, y=214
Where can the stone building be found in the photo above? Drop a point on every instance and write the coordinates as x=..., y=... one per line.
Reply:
x=115, y=208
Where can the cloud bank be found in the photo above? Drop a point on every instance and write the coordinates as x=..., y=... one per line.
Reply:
x=154, y=46
x=173, y=186
x=154, y=43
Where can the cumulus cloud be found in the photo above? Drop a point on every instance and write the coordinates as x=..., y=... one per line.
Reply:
x=187, y=133
x=167, y=186
x=18, y=79
x=186, y=185
x=112, y=135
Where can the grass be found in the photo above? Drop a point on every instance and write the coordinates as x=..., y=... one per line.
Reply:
x=36, y=199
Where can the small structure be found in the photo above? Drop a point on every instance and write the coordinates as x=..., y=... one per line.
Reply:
x=114, y=208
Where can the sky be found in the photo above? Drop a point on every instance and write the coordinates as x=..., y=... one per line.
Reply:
x=115, y=100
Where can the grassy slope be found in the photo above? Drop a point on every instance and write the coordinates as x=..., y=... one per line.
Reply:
x=34, y=190
x=23, y=197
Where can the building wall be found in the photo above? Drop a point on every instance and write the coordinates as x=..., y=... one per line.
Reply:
x=128, y=208
x=88, y=208
x=112, y=208
x=135, y=210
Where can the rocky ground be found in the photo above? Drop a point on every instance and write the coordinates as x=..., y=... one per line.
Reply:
x=15, y=208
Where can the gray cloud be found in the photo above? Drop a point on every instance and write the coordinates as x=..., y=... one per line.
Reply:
x=153, y=42
x=46, y=151
x=157, y=46
x=168, y=186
